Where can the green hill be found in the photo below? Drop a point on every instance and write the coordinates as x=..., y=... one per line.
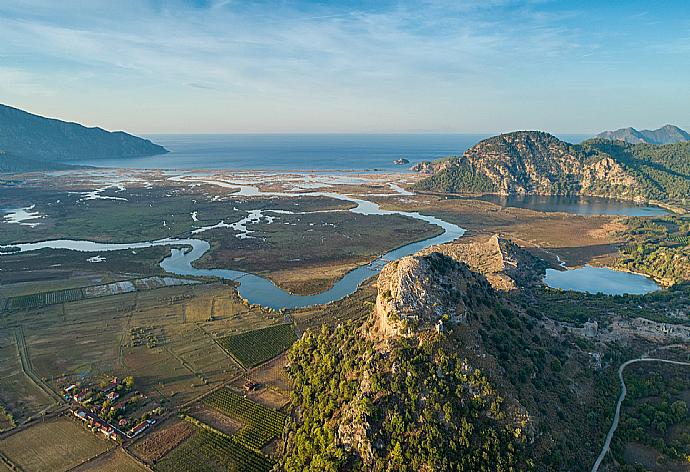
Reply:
x=537, y=163
x=32, y=142
x=668, y=134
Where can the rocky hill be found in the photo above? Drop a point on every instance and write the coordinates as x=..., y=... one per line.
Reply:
x=407, y=303
x=668, y=134
x=537, y=163
x=447, y=373
x=505, y=265
x=32, y=142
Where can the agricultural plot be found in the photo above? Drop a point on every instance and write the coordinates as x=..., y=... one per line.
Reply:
x=166, y=437
x=209, y=451
x=115, y=461
x=27, y=302
x=261, y=424
x=41, y=299
x=54, y=445
x=19, y=395
x=255, y=347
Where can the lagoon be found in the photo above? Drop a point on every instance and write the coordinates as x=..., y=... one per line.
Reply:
x=600, y=280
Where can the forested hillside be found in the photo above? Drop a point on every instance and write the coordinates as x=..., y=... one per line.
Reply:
x=533, y=162
x=32, y=142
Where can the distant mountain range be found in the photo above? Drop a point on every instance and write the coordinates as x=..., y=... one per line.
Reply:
x=32, y=142
x=537, y=163
x=668, y=134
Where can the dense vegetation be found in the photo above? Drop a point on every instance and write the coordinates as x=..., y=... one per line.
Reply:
x=414, y=408
x=661, y=172
x=255, y=347
x=577, y=308
x=654, y=413
x=459, y=177
x=658, y=247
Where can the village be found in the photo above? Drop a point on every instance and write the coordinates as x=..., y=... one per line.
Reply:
x=112, y=408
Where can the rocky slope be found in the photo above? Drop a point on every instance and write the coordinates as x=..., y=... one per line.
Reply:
x=537, y=163
x=447, y=373
x=668, y=134
x=408, y=302
x=31, y=141
x=505, y=265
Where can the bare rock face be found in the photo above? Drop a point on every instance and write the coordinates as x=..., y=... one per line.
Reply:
x=505, y=265
x=423, y=292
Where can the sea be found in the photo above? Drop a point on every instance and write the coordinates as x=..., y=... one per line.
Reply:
x=299, y=152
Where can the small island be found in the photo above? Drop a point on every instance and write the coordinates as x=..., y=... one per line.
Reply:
x=401, y=162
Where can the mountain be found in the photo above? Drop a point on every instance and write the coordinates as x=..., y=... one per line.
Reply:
x=537, y=163
x=447, y=373
x=668, y=134
x=32, y=142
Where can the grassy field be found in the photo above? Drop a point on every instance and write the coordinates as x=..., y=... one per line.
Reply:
x=336, y=242
x=308, y=253
x=115, y=461
x=55, y=445
x=19, y=394
x=254, y=347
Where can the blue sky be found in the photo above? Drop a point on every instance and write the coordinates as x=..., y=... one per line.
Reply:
x=349, y=66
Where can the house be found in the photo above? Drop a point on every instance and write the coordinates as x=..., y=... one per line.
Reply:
x=138, y=428
x=112, y=396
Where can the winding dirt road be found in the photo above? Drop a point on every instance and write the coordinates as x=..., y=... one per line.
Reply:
x=624, y=391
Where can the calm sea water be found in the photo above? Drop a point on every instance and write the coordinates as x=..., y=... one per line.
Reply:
x=284, y=152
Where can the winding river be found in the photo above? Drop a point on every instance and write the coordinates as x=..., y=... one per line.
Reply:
x=254, y=288
x=262, y=291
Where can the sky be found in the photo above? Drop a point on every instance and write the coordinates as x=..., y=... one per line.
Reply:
x=432, y=66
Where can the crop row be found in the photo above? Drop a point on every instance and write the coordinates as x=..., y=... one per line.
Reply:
x=261, y=424
x=207, y=451
x=36, y=300
x=255, y=347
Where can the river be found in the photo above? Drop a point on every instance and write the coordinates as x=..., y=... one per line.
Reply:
x=254, y=288
x=262, y=291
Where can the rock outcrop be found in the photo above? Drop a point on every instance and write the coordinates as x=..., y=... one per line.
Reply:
x=423, y=292
x=505, y=265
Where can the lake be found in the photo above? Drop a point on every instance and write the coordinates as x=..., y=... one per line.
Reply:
x=600, y=280
x=576, y=205
x=298, y=151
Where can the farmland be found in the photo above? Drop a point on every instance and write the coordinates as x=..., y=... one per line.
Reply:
x=54, y=445
x=211, y=451
x=261, y=424
x=166, y=437
x=255, y=347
